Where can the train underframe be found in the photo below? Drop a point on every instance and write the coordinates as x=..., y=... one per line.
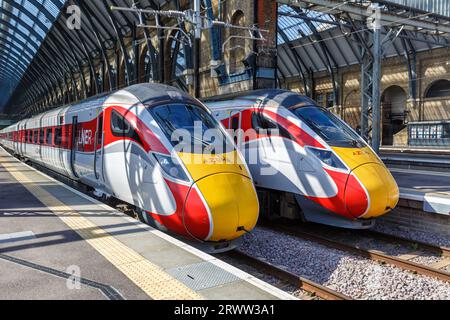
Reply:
x=275, y=204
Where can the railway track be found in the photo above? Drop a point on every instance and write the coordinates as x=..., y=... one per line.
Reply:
x=286, y=276
x=376, y=255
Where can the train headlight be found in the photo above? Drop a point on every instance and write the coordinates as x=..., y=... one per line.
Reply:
x=327, y=157
x=171, y=167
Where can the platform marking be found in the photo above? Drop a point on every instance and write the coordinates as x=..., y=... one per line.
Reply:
x=17, y=236
x=156, y=283
x=108, y=291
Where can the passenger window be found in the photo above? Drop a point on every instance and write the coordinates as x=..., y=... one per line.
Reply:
x=49, y=137
x=58, y=136
x=120, y=127
x=41, y=136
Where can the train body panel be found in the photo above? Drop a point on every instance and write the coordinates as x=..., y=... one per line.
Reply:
x=293, y=146
x=117, y=145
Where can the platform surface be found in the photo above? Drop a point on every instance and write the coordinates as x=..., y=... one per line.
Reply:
x=430, y=187
x=57, y=243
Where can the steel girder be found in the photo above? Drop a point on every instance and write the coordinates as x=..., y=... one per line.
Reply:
x=123, y=49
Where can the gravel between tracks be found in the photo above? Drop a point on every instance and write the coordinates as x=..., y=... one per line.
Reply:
x=351, y=275
x=298, y=293
x=427, y=237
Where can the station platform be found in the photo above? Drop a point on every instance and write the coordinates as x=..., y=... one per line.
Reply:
x=57, y=243
x=430, y=188
x=417, y=159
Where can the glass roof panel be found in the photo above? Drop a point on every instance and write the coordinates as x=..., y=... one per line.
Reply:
x=294, y=27
x=22, y=22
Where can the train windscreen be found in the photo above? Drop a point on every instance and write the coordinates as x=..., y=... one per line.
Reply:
x=332, y=129
x=191, y=129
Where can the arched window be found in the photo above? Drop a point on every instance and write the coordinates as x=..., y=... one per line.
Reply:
x=440, y=88
x=237, y=45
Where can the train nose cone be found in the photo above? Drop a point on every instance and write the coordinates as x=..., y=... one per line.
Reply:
x=382, y=191
x=232, y=203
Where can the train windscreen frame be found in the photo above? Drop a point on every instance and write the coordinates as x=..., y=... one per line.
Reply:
x=329, y=127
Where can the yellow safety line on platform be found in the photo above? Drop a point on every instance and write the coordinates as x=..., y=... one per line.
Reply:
x=156, y=283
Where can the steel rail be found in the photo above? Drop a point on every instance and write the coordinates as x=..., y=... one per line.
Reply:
x=366, y=253
x=291, y=278
x=439, y=250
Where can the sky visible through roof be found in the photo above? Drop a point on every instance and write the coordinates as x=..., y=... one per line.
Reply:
x=23, y=26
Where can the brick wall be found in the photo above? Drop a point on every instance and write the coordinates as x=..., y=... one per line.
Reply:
x=431, y=66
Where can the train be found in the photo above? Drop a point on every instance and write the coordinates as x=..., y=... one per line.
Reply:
x=306, y=162
x=120, y=145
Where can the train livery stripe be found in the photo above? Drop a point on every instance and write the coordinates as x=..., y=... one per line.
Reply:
x=299, y=135
x=148, y=140
x=156, y=283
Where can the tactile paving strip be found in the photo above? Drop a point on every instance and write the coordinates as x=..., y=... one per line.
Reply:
x=202, y=276
x=156, y=283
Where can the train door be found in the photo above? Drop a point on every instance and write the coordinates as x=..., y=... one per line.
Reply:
x=74, y=146
x=98, y=159
x=23, y=140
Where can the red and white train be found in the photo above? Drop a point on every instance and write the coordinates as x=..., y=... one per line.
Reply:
x=120, y=144
x=306, y=162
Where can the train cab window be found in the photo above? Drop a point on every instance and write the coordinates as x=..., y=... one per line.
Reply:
x=329, y=127
x=261, y=122
x=58, y=136
x=49, y=137
x=191, y=127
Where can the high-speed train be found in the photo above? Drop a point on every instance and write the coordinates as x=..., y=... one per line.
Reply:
x=121, y=144
x=306, y=162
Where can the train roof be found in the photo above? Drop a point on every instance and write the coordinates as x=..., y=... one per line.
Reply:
x=151, y=93
x=281, y=97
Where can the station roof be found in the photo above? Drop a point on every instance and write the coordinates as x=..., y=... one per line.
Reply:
x=23, y=27
x=313, y=41
x=310, y=39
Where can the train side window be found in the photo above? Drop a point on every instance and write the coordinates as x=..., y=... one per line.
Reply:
x=120, y=127
x=41, y=136
x=261, y=122
x=49, y=137
x=58, y=136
